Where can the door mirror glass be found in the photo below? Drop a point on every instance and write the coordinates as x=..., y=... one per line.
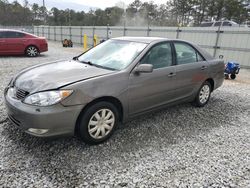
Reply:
x=144, y=68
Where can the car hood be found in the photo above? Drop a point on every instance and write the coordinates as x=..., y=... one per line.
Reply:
x=55, y=75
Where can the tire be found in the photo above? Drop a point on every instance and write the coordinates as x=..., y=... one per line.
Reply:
x=32, y=51
x=232, y=76
x=94, y=129
x=226, y=76
x=203, y=95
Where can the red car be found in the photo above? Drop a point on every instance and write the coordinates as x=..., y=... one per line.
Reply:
x=13, y=42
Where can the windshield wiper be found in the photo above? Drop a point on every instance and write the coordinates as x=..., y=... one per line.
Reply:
x=99, y=66
x=87, y=62
x=109, y=68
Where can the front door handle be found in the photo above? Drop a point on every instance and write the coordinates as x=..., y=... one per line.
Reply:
x=203, y=67
x=171, y=74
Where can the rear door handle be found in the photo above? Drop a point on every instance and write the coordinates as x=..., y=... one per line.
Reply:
x=171, y=74
x=203, y=67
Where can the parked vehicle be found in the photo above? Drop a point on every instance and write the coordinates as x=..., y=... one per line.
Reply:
x=67, y=43
x=225, y=23
x=231, y=69
x=13, y=42
x=113, y=82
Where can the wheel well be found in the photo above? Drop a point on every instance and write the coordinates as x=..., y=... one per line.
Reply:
x=112, y=100
x=211, y=81
x=31, y=45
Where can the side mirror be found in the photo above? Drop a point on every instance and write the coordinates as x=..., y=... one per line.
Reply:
x=144, y=68
x=221, y=56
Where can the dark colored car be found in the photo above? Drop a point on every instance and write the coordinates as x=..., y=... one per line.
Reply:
x=14, y=42
x=113, y=82
x=225, y=23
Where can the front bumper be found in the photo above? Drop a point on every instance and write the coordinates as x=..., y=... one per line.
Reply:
x=43, y=47
x=56, y=119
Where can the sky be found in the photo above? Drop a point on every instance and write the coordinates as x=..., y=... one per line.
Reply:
x=84, y=5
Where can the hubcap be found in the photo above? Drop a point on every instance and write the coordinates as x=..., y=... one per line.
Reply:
x=204, y=94
x=101, y=123
x=32, y=51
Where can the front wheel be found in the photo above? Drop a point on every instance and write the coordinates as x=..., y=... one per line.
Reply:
x=203, y=95
x=32, y=51
x=98, y=122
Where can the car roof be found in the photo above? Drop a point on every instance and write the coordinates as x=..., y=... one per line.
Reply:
x=20, y=31
x=141, y=39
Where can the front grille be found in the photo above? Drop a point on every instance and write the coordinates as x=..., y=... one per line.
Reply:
x=21, y=94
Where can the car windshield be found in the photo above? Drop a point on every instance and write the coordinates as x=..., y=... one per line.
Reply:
x=113, y=54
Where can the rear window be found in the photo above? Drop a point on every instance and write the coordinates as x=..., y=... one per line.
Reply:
x=207, y=24
x=217, y=24
x=2, y=34
x=13, y=34
x=227, y=24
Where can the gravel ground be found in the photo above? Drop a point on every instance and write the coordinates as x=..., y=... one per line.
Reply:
x=181, y=146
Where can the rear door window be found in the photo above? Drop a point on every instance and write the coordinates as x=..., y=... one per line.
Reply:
x=13, y=34
x=206, y=24
x=2, y=34
x=186, y=54
x=227, y=24
x=217, y=24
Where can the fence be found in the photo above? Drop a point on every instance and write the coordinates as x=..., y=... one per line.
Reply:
x=231, y=42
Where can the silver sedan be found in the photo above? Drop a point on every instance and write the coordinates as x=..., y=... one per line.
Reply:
x=110, y=83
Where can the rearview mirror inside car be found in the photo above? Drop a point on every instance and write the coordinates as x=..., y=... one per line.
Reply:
x=144, y=68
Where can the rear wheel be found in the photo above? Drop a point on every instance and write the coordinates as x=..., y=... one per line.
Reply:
x=203, y=95
x=32, y=51
x=232, y=76
x=98, y=122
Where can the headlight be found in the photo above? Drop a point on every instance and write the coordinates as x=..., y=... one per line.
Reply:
x=47, y=98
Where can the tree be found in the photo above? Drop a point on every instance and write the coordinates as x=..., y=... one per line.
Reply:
x=138, y=13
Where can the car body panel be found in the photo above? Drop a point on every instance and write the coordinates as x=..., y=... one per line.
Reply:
x=148, y=90
x=137, y=93
x=189, y=78
x=26, y=116
x=3, y=48
x=43, y=77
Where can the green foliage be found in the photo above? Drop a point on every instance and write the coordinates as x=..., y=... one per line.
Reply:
x=172, y=13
